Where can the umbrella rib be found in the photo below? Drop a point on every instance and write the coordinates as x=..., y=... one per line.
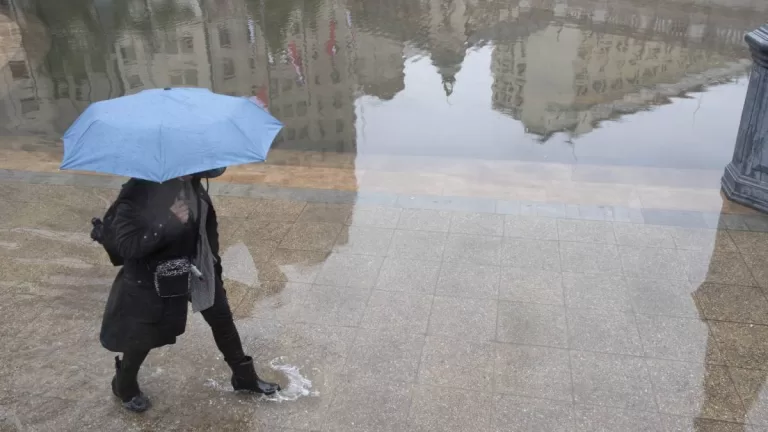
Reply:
x=241, y=131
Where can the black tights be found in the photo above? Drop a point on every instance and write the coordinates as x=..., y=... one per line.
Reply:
x=218, y=317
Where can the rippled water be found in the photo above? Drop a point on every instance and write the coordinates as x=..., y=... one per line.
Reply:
x=639, y=82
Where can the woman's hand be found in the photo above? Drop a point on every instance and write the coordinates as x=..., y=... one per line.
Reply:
x=181, y=211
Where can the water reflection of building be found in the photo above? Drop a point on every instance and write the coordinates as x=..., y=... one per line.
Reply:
x=21, y=109
x=564, y=77
x=557, y=64
x=174, y=55
x=313, y=83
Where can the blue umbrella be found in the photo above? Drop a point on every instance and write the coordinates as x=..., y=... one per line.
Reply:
x=161, y=134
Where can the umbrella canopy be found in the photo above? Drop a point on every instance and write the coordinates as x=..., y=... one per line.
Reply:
x=161, y=134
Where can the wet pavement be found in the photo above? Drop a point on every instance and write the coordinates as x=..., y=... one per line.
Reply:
x=482, y=215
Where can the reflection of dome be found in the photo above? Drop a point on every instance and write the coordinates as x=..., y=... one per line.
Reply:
x=448, y=64
x=448, y=83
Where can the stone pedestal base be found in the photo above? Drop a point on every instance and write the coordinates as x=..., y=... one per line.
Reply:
x=745, y=190
x=746, y=178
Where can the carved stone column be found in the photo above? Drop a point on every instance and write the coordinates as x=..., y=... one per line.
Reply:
x=746, y=178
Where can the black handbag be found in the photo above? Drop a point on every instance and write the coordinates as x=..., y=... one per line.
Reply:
x=173, y=277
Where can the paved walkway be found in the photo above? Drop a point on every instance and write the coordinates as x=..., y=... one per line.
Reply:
x=406, y=312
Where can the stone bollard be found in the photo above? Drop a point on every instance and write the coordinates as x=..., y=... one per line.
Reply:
x=746, y=178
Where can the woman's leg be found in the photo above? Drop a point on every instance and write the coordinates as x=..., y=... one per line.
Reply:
x=125, y=385
x=219, y=318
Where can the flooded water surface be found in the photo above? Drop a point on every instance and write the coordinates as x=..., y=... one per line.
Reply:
x=627, y=82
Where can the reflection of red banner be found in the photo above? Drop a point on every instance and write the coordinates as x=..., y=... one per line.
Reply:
x=261, y=98
x=293, y=54
x=330, y=46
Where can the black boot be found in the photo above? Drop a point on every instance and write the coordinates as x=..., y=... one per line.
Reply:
x=126, y=388
x=244, y=378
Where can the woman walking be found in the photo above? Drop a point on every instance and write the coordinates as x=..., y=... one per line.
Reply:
x=166, y=234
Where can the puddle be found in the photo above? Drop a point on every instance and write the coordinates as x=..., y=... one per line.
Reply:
x=81, y=239
x=64, y=262
x=9, y=245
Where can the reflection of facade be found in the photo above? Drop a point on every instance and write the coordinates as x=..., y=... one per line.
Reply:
x=313, y=82
x=238, y=51
x=562, y=77
x=557, y=64
x=21, y=110
x=172, y=56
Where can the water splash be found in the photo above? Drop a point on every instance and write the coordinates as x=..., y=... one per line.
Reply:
x=298, y=386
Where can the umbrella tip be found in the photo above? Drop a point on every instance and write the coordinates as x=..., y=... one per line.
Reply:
x=167, y=88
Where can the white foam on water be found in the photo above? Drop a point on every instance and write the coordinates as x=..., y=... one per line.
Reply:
x=298, y=386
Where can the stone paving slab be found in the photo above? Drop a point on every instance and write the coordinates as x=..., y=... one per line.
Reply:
x=439, y=320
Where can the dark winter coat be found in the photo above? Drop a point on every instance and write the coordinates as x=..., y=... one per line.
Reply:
x=146, y=233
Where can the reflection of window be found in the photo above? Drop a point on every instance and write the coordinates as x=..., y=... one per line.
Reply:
x=128, y=53
x=304, y=133
x=190, y=77
x=171, y=44
x=288, y=111
x=337, y=100
x=317, y=79
x=18, y=69
x=61, y=89
x=176, y=79
x=599, y=86
x=287, y=84
x=301, y=108
x=187, y=77
x=521, y=67
x=339, y=126
x=252, y=62
x=274, y=87
x=229, y=68
x=321, y=128
x=335, y=76
x=134, y=81
x=187, y=45
x=225, y=38
x=290, y=134
x=97, y=63
x=275, y=111
x=29, y=105
x=80, y=92
x=319, y=105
